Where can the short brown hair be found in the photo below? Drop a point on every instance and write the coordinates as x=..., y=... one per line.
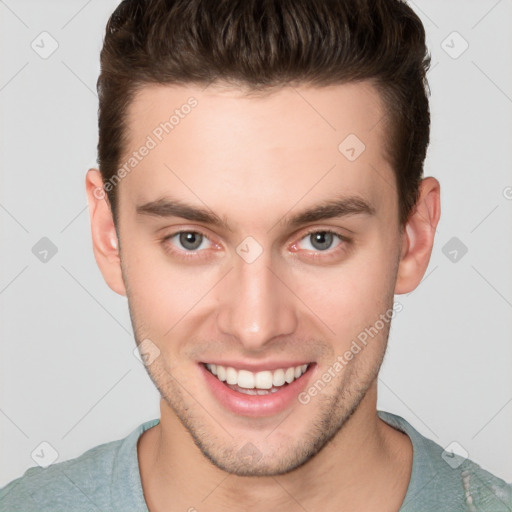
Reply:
x=261, y=44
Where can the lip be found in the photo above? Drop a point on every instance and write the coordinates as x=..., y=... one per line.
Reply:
x=260, y=367
x=256, y=405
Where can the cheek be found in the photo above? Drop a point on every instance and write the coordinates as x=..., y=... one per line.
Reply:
x=162, y=293
x=352, y=295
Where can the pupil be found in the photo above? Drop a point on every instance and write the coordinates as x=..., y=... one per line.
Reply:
x=321, y=240
x=190, y=240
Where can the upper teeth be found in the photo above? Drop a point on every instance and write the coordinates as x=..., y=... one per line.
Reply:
x=261, y=380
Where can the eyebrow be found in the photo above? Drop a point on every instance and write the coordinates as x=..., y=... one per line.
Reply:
x=166, y=207
x=336, y=208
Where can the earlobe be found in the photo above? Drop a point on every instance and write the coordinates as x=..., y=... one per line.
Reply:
x=418, y=237
x=103, y=231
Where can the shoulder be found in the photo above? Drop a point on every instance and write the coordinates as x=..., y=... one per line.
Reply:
x=73, y=482
x=485, y=491
x=442, y=480
x=86, y=483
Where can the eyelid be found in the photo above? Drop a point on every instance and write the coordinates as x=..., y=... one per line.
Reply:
x=187, y=253
x=175, y=251
x=324, y=230
x=204, y=237
x=343, y=239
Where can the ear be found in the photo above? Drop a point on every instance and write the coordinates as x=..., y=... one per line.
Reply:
x=418, y=237
x=104, y=236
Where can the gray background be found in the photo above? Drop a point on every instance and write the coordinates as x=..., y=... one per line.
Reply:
x=68, y=373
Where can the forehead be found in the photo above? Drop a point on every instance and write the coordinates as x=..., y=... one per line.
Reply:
x=279, y=147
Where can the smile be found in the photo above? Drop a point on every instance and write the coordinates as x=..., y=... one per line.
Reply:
x=256, y=383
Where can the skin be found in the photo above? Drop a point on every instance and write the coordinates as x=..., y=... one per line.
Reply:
x=255, y=160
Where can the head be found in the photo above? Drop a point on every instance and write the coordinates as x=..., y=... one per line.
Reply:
x=262, y=163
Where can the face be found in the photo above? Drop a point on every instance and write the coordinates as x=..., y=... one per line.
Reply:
x=252, y=242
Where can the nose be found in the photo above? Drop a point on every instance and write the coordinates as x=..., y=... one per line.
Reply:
x=254, y=304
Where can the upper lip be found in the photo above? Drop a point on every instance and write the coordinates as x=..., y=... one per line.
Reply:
x=258, y=367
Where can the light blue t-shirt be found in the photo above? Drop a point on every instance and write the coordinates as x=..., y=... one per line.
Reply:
x=106, y=478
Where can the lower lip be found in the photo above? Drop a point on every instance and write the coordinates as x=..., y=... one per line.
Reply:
x=256, y=405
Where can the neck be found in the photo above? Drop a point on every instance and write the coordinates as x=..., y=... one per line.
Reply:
x=367, y=463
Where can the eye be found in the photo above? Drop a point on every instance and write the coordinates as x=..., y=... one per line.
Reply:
x=320, y=241
x=189, y=240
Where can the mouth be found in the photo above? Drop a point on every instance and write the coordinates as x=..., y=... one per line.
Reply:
x=257, y=383
x=256, y=393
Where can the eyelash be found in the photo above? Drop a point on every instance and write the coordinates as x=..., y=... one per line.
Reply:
x=330, y=252
x=184, y=254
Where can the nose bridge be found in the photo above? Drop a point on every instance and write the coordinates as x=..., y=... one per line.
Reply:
x=255, y=306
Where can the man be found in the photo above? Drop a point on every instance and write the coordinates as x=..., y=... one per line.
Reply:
x=260, y=201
